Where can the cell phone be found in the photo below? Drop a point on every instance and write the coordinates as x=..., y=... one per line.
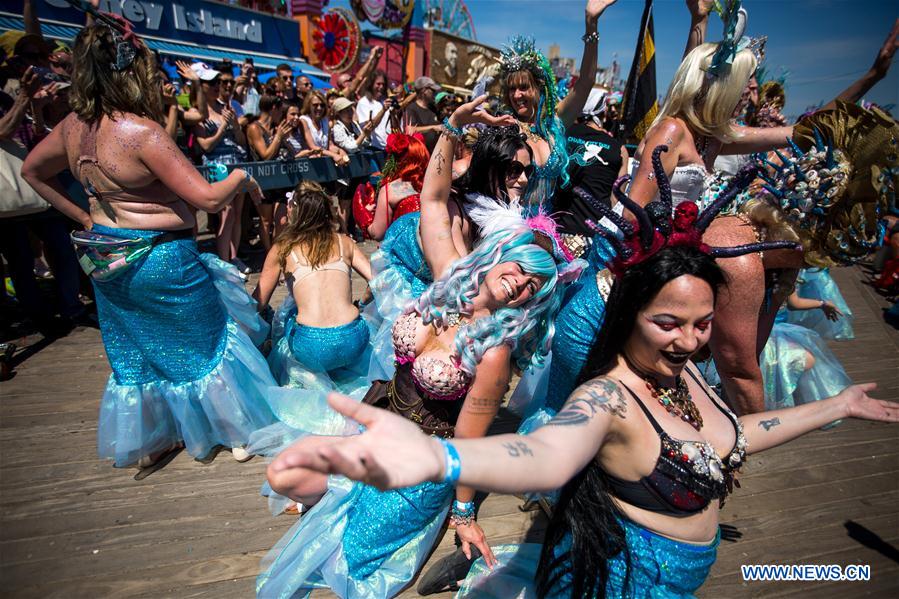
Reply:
x=48, y=76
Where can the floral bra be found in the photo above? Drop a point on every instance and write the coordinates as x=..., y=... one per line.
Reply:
x=434, y=377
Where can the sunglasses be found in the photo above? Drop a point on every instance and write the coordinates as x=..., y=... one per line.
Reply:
x=515, y=168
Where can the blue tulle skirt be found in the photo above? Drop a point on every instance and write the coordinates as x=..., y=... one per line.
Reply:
x=357, y=541
x=816, y=283
x=785, y=363
x=179, y=330
x=659, y=568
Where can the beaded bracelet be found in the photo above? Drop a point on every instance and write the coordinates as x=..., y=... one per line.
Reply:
x=590, y=37
x=453, y=464
x=451, y=131
x=462, y=513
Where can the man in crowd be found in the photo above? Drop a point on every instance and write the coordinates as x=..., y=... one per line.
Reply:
x=370, y=104
x=420, y=116
x=285, y=74
x=304, y=86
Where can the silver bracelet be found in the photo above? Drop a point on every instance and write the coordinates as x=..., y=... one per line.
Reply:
x=590, y=37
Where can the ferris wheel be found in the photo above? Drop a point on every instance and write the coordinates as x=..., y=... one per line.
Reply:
x=451, y=16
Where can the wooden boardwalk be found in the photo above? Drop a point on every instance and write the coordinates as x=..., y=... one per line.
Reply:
x=72, y=526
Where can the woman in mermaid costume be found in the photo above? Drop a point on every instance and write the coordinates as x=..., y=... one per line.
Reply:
x=497, y=176
x=401, y=273
x=529, y=91
x=320, y=342
x=178, y=326
x=695, y=123
x=644, y=451
x=455, y=348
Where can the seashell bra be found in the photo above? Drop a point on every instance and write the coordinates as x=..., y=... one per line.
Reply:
x=687, y=476
x=434, y=377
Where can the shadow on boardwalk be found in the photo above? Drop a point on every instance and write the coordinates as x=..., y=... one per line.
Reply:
x=72, y=526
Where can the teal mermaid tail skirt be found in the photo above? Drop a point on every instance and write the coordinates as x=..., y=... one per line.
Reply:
x=177, y=328
x=817, y=283
x=660, y=568
x=577, y=326
x=785, y=362
x=320, y=358
x=400, y=271
x=357, y=541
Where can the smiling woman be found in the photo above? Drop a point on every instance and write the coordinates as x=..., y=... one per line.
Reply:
x=454, y=351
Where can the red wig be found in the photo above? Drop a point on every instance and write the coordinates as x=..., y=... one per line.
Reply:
x=410, y=157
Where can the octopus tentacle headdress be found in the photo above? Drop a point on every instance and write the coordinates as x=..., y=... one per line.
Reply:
x=656, y=229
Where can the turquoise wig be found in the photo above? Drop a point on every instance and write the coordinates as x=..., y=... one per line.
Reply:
x=522, y=55
x=527, y=329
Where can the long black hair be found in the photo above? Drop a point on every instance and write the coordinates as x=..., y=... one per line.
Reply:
x=492, y=154
x=584, y=532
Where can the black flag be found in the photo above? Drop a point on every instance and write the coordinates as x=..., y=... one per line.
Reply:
x=640, y=103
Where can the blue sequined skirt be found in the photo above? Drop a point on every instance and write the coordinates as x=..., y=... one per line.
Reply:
x=659, y=568
x=177, y=328
x=577, y=327
x=816, y=283
x=321, y=358
x=399, y=268
x=357, y=541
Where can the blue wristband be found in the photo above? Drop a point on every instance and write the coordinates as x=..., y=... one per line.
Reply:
x=453, y=464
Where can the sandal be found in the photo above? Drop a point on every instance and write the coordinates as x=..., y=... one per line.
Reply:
x=446, y=572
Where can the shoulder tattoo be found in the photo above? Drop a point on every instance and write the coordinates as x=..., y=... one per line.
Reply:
x=591, y=398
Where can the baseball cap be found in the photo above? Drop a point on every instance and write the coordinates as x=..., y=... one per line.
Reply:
x=204, y=71
x=341, y=103
x=423, y=82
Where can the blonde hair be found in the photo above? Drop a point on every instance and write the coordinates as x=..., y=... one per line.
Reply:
x=310, y=225
x=98, y=90
x=707, y=103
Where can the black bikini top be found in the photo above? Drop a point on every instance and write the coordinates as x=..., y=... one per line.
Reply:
x=688, y=474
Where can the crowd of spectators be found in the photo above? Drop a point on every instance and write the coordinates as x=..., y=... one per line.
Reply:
x=225, y=113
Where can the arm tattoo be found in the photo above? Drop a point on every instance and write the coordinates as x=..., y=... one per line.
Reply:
x=482, y=405
x=769, y=424
x=596, y=395
x=518, y=449
x=439, y=161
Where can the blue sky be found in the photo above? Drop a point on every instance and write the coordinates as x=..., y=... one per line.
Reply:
x=823, y=44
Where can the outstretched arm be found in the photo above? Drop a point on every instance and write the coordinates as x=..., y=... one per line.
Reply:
x=770, y=429
x=394, y=453
x=570, y=107
x=757, y=139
